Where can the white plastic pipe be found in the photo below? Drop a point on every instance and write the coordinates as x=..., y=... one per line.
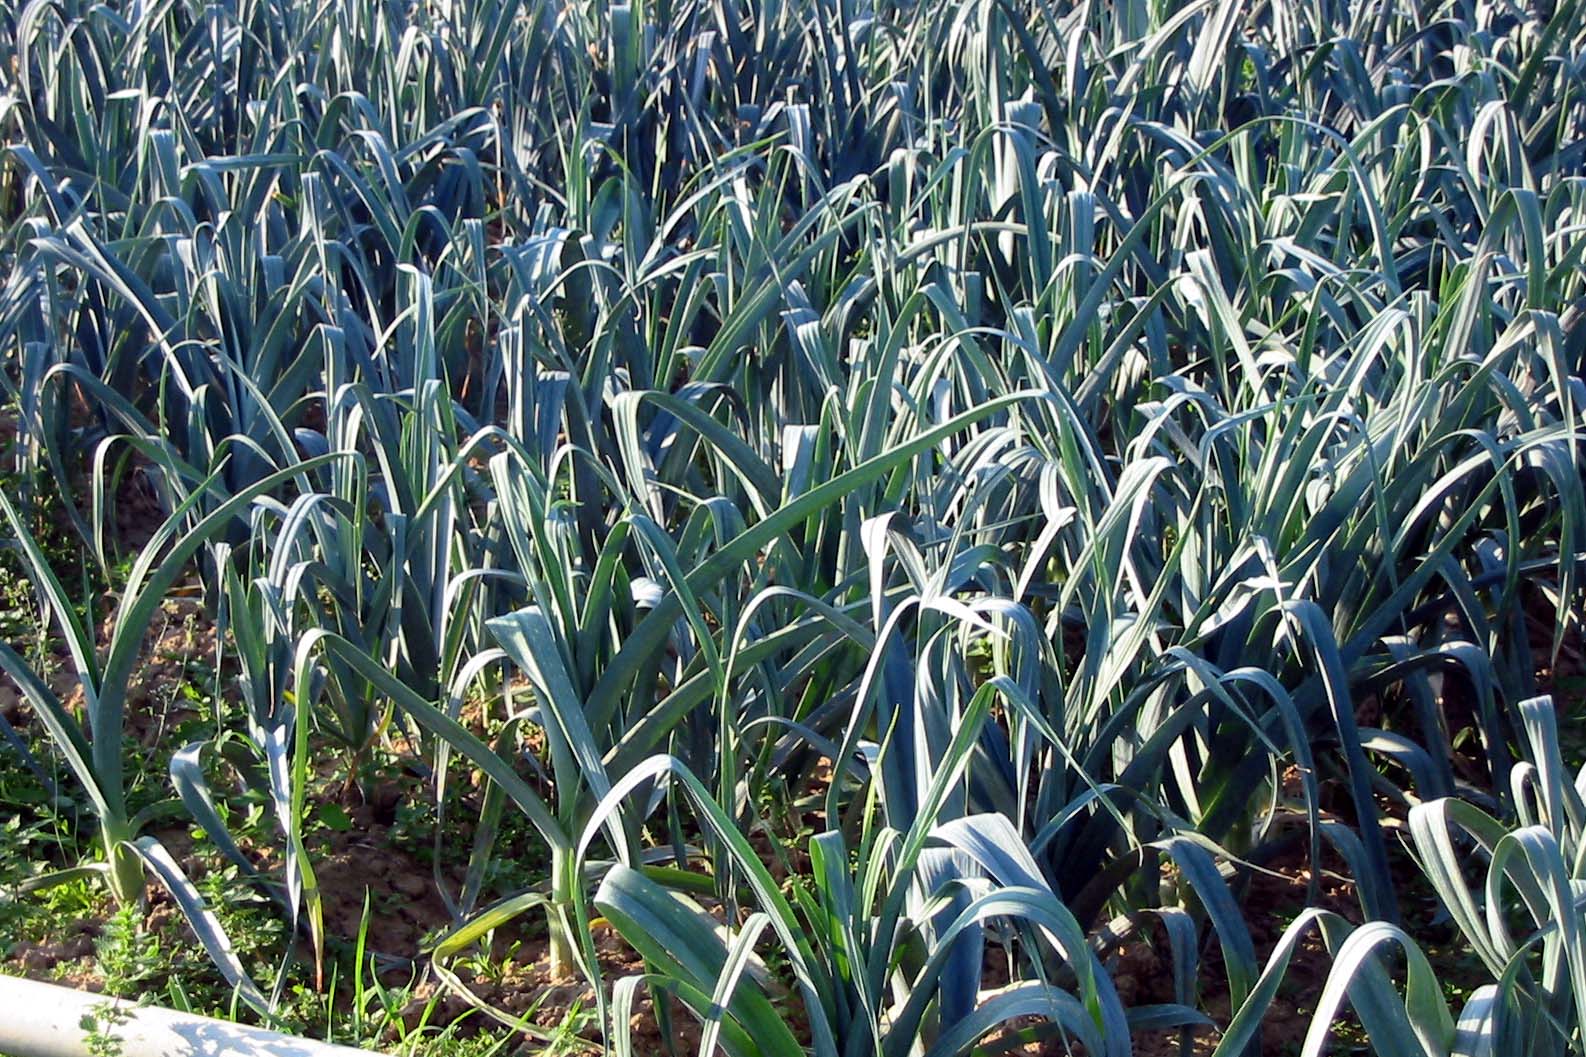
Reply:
x=43, y=1020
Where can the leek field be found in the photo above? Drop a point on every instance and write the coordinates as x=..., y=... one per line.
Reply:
x=764, y=528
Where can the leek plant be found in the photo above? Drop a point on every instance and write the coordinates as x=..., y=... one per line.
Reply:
x=1050, y=453
x=1512, y=890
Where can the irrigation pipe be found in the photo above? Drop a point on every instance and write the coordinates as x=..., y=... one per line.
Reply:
x=43, y=1020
